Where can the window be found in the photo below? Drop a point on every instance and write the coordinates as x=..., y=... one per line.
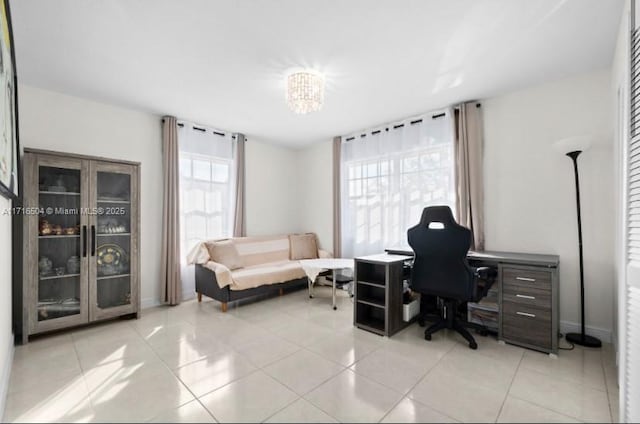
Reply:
x=207, y=185
x=389, y=176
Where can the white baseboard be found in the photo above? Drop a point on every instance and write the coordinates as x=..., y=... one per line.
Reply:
x=149, y=303
x=6, y=375
x=152, y=303
x=603, y=334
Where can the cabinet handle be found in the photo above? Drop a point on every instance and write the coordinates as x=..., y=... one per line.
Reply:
x=524, y=296
x=84, y=241
x=526, y=314
x=526, y=279
x=93, y=240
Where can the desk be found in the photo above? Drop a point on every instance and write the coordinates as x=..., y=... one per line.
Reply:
x=527, y=294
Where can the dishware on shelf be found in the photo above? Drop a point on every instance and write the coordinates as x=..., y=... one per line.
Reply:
x=111, y=260
x=44, y=228
x=70, y=231
x=73, y=265
x=45, y=266
x=112, y=228
x=56, y=229
x=60, y=270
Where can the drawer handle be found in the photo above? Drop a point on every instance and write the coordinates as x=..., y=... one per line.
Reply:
x=526, y=314
x=526, y=279
x=524, y=296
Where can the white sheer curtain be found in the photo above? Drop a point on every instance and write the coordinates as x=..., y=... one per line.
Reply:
x=389, y=174
x=207, y=190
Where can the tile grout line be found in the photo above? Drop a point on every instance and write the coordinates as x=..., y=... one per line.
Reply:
x=405, y=395
x=548, y=408
x=174, y=375
x=606, y=386
x=506, y=395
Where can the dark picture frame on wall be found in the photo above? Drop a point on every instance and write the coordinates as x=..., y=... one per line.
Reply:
x=9, y=145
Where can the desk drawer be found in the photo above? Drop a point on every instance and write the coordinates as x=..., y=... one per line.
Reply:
x=529, y=296
x=526, y=324
x=520, y=279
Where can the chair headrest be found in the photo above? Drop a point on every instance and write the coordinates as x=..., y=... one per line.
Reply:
x=441, y=214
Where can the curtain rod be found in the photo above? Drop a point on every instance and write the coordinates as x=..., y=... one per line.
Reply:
x=395, y=127
x=202, y=129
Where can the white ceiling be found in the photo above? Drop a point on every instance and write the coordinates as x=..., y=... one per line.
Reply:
x=222, y=63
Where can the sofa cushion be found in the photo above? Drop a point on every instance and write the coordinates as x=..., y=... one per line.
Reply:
x=303, y=246
x=224, y=252
x=269, y=273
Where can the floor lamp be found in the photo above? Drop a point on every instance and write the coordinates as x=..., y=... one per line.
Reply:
x=572, y=147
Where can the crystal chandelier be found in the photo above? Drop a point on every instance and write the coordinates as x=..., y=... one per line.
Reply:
x=305, y=91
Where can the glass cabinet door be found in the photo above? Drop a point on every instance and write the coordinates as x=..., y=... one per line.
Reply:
x=59, y=246
x=112, y=227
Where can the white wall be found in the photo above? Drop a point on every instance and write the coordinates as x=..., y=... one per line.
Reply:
x=315, y=176
x=54, y=121
x=272, y=201
x=530, y=190
x=6, y=334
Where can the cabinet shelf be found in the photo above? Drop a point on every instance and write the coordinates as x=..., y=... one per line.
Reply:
x=372, y=284
x=60, y=193
x=113, y=234
x=373, y=325
x=57, y=277
x=371, y=303
x=60, y=236
x=121, y=201
x=109, y=277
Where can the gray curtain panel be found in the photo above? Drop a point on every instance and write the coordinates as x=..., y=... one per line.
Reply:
x=469, y=176
x=170, y=259
x=239, y=226
x=337, y=223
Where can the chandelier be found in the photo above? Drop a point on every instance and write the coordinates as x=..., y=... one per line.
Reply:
x=305, y=91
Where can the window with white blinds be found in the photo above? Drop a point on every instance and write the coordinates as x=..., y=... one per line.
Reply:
x=631, y=378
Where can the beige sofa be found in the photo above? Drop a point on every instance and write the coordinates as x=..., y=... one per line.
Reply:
x=241, y=267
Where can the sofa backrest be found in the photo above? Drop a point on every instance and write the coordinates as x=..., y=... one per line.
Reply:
x=252, y=251
x=262, y=249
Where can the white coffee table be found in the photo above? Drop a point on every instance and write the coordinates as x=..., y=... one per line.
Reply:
x=313, y=267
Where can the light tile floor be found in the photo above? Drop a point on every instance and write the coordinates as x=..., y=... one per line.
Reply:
x=293, y=359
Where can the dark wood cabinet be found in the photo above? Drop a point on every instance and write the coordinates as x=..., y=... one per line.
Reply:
x=529, y=310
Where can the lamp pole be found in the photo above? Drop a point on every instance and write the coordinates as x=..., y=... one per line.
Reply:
x=581, y=338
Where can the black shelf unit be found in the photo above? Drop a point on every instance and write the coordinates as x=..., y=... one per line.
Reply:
x=378, y=293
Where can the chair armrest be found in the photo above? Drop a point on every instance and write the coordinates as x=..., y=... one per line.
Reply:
x=485, y=272
x=485, y=277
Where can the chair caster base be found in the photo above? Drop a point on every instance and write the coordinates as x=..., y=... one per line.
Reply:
x=473, y=345
x=421, y=322
x=310, y=297
x=427, y=336
x=483, y=333
x=335, y=307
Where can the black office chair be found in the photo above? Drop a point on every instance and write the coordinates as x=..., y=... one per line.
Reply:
x=440, y=268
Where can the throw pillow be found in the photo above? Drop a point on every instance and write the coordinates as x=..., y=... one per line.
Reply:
x=303, y=246
x=224, y=252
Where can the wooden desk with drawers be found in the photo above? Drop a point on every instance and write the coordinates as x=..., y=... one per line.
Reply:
x=528, y=296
